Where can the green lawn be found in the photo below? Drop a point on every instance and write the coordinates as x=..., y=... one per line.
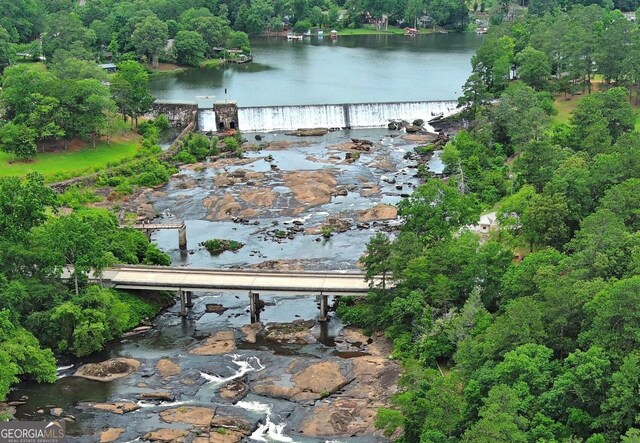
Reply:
x=62, y=165
x=566, y=107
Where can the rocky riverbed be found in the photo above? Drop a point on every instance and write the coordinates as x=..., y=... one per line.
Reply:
x=212, y=376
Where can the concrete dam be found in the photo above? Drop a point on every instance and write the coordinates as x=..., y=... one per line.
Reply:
x=227, y=115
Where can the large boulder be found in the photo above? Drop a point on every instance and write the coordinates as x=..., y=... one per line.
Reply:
x=108, y=370
x=110, y=435
x=192, y=415
x=168, y=435
x=167, y=368
x=307, y=132
x=222, y=342
x=304, y=382
x=117, y=407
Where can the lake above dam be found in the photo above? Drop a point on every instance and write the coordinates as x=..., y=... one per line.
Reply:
x=351, y=69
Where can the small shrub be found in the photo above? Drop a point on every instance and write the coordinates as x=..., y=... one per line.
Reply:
x=162, y=122
x=185, y=157
x=217, y=245
x=326, y=231
x=124, y=188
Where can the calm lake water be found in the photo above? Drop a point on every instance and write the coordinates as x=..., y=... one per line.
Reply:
x=352, y=69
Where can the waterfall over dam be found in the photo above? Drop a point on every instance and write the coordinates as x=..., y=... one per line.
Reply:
x=338, y=116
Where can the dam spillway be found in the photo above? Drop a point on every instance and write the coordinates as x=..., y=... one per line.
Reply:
x=338, y=116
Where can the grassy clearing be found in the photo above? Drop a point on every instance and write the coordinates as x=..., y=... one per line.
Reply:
x=565, y=106
x=212, y=63
x=61, y=165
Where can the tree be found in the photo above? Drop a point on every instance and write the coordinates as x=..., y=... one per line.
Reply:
x=500, y=420
x=45, y=118
x=413, y=11
x=72, y=240
x=150, y=37
x=533, y=67
x=22, y=18
x=23, y=205
x=624, y=201
x=520, y=116
x=615, y=323
x=537, y=162
x=581, y=386
x=621, y=405
x=7, y=53
x=130, y=90
x=376, y=258
x=63, y=30
x=19, y=140
x=492, y=61
x=601, y=118
x=238, y=40
x=544, y=221
x=23, y=352
x=214, y=31
x=19, y=83
x=601, y=247
x=189, y=47
x=435, y=209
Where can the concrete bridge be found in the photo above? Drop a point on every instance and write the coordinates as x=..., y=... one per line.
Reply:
x=148, y=227
x=187, y=280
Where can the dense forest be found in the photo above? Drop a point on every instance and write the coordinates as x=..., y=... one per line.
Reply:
x=530, y=333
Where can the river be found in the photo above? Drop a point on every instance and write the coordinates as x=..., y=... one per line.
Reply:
x=293, y=186
x=351, y=69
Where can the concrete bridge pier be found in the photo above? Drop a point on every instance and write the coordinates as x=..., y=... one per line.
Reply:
x=254, y=306
x=182, y=237
x=189, y=299
x=183, y=302
x=324, y=308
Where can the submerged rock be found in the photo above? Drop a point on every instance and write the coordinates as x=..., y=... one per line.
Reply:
x=215, y=307
x=159, y=396
x=108, y=370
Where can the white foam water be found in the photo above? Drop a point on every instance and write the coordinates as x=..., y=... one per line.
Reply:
x=60, y=371
x=269, y=431
x=244, y=366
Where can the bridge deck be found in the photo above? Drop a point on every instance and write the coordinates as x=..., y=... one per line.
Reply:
x=193, y=279
x=153, y=226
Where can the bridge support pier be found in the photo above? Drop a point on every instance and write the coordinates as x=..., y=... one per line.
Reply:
x=183, y=305
x=324, y=307
x=189, y=300
x=182, y=237
x=254, y=306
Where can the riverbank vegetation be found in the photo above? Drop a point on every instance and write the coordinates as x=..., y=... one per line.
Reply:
x=523, y=328
x=39, y=313
x=217, y=245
